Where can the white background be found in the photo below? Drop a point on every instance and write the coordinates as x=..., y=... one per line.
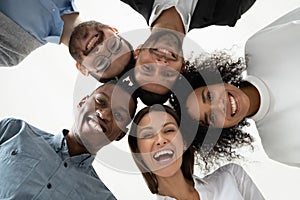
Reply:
x=40, y=91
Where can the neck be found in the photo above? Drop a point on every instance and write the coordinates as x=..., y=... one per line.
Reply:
x=169, y=19
x=254, y=97
x=177, y=187
x=70, y=22
x=74, y=146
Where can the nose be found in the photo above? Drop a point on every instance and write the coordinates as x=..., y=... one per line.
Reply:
x=104, y=114
x=161, y=60
x=219, y=106
x=160, y=140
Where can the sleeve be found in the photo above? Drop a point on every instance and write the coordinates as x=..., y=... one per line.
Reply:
x=274, y=37
x=15, y=42
x=141, y=6
x=7, y=127
x=219, y=12
x=247, y=188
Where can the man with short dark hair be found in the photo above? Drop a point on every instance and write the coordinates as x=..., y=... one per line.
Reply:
x=37, y=165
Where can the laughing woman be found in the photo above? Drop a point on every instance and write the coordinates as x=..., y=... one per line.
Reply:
x=160, y=152
x=267, y=93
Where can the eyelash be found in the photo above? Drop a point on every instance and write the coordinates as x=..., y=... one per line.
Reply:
x=210, y=96
x=101, y=101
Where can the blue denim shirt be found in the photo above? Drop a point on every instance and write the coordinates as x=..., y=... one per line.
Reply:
x=36, y=165
x=41, y=18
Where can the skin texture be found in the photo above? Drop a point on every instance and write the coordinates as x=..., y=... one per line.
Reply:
x=158, y=132
x=216, y=105
x=100, y=119
x=159, y=60
x=102, y=53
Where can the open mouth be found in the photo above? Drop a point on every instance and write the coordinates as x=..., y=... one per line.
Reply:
x=94, y=41
x=97, y=124
x=165, y=53
x=233, y=104
x=163, y=155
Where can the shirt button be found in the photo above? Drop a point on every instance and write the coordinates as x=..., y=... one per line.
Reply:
x=49, y=186
x=14, y=152
x=53, y=9
x=65, y=165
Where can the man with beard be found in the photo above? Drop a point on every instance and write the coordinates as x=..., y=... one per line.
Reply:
x=35, y=23
x=37, y=165
x=159, y=60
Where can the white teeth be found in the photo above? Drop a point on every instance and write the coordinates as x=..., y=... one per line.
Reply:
x=233, y=105
x=165, y=51
x=161, y=153
x=91, y=43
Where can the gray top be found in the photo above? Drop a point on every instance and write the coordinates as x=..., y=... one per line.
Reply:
x=15, y=42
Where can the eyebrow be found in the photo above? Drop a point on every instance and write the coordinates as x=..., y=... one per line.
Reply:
x=104, y=94
x=151, y=128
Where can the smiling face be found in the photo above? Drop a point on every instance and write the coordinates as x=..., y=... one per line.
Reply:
x=159, y=62
x=220, y=105
x=101, y=118
x=100, y=52
x=160, y=143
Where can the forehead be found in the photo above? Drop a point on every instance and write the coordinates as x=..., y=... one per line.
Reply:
x=156, y=118
x=117, y=96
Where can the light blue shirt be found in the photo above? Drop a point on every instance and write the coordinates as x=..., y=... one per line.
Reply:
x=36, y=165
x=41, y=18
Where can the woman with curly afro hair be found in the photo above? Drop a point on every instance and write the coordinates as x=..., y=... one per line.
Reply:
x=225, y=94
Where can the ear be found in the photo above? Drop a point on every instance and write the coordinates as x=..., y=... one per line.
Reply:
x=82, y=101
x=183, y=68
x=115, y=30
x=137, y=51
x=122, y=134
x=82, y=69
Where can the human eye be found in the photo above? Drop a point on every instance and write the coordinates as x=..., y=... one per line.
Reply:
x=101, y=64
x=147, y=68
x=210, y=96
x=212, y=118
x=169, y=74
x=118, y=116
x=114, y=44
x=170, y=129
x=146, y=134
x=101, y=101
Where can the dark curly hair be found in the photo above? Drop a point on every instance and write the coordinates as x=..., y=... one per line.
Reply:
x=213, y=144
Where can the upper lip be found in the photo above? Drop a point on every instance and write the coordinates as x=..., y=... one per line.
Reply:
x=156, y=154
x=166, y=53
x=102, y=124
x=92, y=42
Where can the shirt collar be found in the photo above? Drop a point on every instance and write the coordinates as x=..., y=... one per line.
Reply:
x=265, y=100
x=61, y=147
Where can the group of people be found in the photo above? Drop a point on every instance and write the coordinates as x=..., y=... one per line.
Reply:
x=194, y=109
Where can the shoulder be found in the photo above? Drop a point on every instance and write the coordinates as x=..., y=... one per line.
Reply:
x=10, y=122
x=10, y=127
x=226, y=172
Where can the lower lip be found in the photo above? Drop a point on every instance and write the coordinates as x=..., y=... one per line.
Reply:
x=165, y=162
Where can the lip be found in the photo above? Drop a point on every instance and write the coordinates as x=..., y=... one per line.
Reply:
x=92, y=42
x=165, y=161
x=166, y=52
x=230, y=105
x=98, y=122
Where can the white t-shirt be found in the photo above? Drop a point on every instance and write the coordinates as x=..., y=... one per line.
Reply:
x=274, y=58
x=185, y=9
x=228, y=182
